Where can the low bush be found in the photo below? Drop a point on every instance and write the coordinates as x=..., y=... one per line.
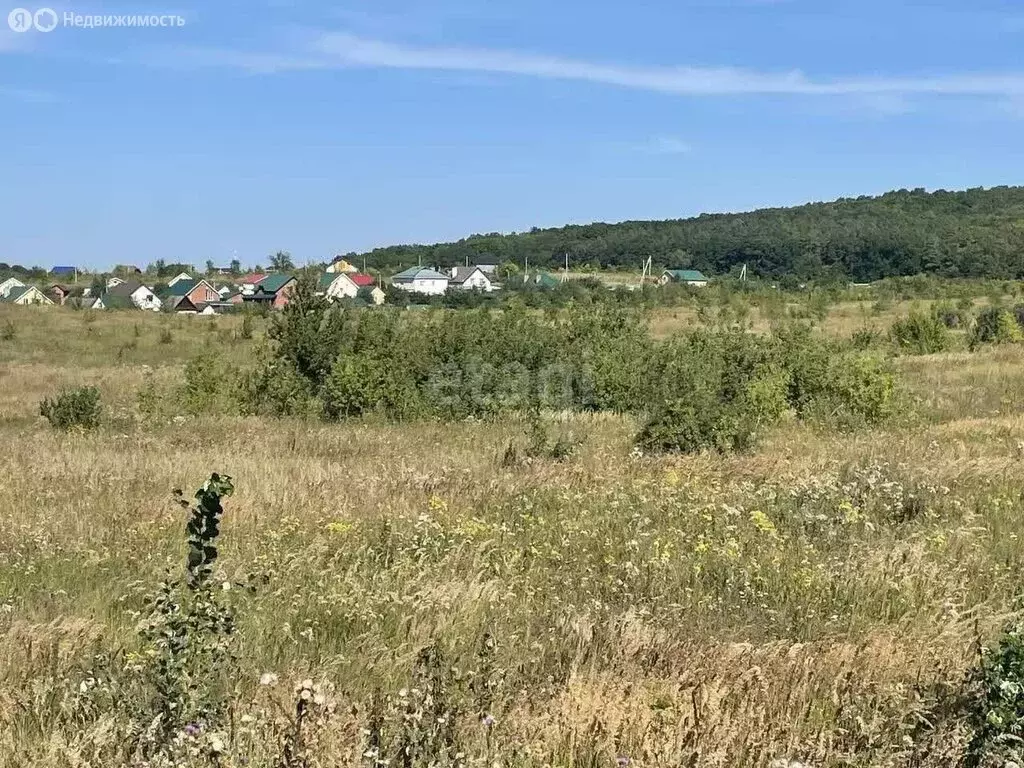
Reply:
x=73, y=409
x=920, y=333
x=995, y=325
x=997, y=703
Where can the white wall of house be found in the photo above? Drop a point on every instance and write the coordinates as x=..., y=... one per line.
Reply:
x=342, y=288
x=478, y=281
x=427, y=286
x=9, y=285
x=144, y=298
x=33, y=296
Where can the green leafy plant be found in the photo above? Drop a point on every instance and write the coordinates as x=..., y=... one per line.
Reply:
x=920, y=333
x=188, y=633
x=73, y=409
x=997, y=706
x=995, y=325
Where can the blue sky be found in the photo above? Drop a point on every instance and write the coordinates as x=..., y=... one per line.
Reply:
x=322, y=127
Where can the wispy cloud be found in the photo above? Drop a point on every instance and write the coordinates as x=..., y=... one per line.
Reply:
x=28, y=95
x=665, y=145
x=343, y=50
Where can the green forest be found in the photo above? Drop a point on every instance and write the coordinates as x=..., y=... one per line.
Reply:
x=973, y=233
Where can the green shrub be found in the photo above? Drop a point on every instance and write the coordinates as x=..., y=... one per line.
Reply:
x=717, y=415
x=995, y=325
x=997, y=705
x=166, y=337
x=245, y=332
x=209, y=385
x=9, y=332
x=856, y=390
x=920, y=333
x=73, y=409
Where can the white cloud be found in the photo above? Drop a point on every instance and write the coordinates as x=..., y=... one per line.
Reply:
x=342, y=50
x=666, y=145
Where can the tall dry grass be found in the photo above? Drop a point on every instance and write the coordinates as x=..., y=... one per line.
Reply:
x=819, y=600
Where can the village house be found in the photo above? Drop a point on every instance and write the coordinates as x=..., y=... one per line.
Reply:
x=691, y=277
x=9, y=285
x=272, y=291
x=85, y=302
x=58, y=293
x=197, y=291
x=470, y=278
x=25, y=295
x=421, y=280
x=180, y=305
x=340, y=266
x=135, y=292
x=345, y=285
x=367, y=281
x=247, y=285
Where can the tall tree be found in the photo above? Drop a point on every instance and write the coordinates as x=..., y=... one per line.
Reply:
x=282, y=261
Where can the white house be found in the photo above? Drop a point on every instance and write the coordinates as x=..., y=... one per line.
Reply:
x=471, y=278
x=179, y=277
x=346, y=285
x=421, y=280
x=139, y=295
x=337, y=285
x=9, y=285
x=25, y=295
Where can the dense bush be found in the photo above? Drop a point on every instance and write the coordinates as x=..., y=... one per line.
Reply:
x=73, y=409
x=715, y=388
x=921, y=333
x=995, y=325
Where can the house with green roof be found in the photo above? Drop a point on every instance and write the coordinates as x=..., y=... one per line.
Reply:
x=272, y=291
x=692, y=277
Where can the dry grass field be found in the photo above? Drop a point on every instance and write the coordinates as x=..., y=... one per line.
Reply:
x=819, y=600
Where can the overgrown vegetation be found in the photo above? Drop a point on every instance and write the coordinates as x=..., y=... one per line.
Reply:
x=714, y=388
x=515, y=583
x=78, y=408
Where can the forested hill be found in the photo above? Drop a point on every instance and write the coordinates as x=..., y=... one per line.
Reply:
x=976, y=233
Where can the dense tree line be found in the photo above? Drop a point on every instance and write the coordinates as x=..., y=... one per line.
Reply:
x=974, y=233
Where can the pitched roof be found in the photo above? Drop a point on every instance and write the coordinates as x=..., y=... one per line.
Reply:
x=361, y=280
x=418, y=273
x=327, y=279
x=181, y=287
x=687, y=275
x=274, y=283
x=252, y=279
x=125, y=289
x=462, y=274
x=183, y=304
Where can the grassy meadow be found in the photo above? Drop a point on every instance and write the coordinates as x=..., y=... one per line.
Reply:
x=818, y=600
